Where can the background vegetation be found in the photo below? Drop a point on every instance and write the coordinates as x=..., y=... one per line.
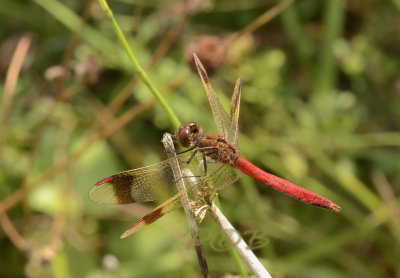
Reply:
x=320, y=107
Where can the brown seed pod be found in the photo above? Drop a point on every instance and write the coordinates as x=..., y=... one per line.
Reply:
x=210, y=49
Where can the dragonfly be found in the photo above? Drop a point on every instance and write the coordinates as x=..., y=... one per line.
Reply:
x=213, y=158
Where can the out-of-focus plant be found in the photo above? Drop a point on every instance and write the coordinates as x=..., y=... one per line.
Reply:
x=320, y=106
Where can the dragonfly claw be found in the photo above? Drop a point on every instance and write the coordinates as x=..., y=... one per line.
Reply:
x=200, y=213
x=202, y=205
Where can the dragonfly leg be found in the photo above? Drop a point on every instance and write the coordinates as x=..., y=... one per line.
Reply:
x=191, y=176
x=190, y=158
x=204, y=162
x=188, y=150
x=198, y=170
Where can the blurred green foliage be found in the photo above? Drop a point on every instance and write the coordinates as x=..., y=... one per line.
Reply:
x=320, y=107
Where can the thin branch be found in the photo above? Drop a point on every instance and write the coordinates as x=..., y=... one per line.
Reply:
x=12, y=77
x=12, y=233
x=194, y=231
x=261, y=20
x=127, y=116
x=142, y=74
x=94, y=135
x=240, y=245
x=166, y=43
x=126, y=92
x=233, y=236
x=385, y=191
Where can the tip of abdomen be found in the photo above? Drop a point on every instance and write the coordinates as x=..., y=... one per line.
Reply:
x=334, y=207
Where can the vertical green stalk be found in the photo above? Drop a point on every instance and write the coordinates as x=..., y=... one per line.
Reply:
x=325, y=72
x=142, y=74
x=300, y=41
x=396, y=3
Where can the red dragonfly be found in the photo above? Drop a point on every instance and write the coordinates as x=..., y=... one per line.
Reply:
x=214, y=159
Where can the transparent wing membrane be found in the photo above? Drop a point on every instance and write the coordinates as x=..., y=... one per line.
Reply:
x=227, y=126
x=221, y=118
x=157, y=183
x=235, y=107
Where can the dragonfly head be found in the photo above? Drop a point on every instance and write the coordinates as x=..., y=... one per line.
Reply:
x=187, y=133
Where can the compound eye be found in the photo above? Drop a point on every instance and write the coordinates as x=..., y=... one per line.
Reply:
x=194, y=128
x=183, y=134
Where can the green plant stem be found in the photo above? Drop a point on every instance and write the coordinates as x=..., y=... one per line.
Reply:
x=72, y=21
x=142, y=74
x=396, y=3
x=326, y=71
x=300, y=41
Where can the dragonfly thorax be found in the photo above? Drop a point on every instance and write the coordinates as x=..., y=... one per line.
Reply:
x=216, y=147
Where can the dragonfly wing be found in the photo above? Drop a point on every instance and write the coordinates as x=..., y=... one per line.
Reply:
x=221, y=175
x=154, y=182
x=233, y=133
x=221, y=118
x=137, y=185
x=155, y=214
x=217, y=174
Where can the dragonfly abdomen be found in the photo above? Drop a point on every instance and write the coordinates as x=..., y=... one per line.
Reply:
x=284, y=186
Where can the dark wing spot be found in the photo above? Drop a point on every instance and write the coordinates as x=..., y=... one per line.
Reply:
x=122, y=187
x=152, y=217
x=204, y=75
